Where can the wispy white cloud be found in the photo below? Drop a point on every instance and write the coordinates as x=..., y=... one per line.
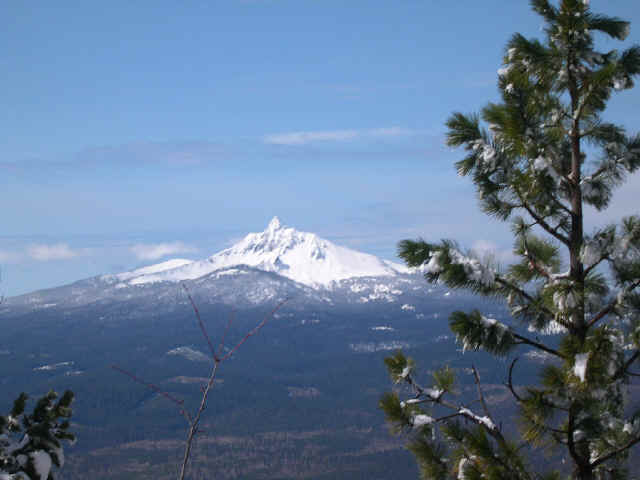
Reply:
x=7, y=256
x=302, y=138
x=391, y=132
x=306, y=137
x=154, y=251
x=57, y=251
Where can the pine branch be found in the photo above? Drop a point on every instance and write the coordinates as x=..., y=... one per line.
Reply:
x=476, y=378
x=591, y=268
x=486, y=423
x=623, y=370
x=611, y=306
x=616, y=452
x=612, y=26
x=603, y=169
x=535, y=265
x=559, y=203
x=542, y=222
x=509, y=383
x=539, y=346
x=521, y=292
x=459, y=409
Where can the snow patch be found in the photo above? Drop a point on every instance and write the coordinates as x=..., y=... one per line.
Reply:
x=152, y=269
x=552, y=328
x=421, y=420
x=486, y=421
x=41, y=464
x=580, y=365
x=538, y=356
x=462, y=468
x=53, y=366
x=189, y=353
x=564, y=301
x=591, y=253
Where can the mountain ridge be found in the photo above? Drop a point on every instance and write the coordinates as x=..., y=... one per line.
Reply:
x=264, y=267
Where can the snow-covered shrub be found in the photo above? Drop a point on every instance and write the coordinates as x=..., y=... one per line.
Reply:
x=31, y=443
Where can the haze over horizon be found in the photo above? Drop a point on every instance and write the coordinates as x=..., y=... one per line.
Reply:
x=136, y=133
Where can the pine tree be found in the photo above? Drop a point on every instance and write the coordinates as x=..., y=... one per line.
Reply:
x=30, y=443
x=537, y=158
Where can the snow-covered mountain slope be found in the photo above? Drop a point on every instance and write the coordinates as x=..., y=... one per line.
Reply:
x=300, y=256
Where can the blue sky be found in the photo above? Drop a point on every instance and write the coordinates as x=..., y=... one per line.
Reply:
x=133, y=131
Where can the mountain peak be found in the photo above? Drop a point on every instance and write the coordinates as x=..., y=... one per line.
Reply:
x=274, y=224
x=300, y=256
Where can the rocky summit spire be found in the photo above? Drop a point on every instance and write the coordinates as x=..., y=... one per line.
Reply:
x=274, y=224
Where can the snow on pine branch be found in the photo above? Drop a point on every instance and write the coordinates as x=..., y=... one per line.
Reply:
x=491, y=330
x=544, y=164
x=580, y=365
x=564, y=301
x=607, y=244
x=486, y=421
x=473, y=268
x=421, y=420
x=486, y=154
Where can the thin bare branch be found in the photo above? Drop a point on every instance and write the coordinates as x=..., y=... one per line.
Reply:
x=539, y=346
x=151, y=386
x=226, y=330
x=510, y=380
x=203, y=329
x=193, y=427
x=476, y=378
x=447, y=417
x=255, y=330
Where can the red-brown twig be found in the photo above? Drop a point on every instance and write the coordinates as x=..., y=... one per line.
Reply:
x=194, y=421
x=203, y=329
x=194, y=424
x=226, y=330
x=151, y=386
x=255, y=329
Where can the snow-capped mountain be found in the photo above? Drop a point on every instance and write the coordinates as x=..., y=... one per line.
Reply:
x=262, y=268
x=300, y=256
